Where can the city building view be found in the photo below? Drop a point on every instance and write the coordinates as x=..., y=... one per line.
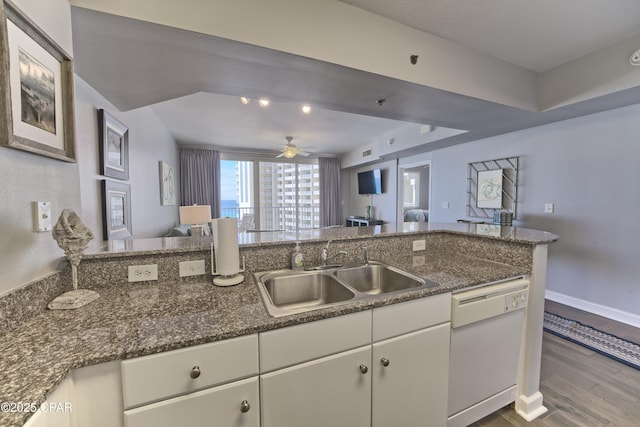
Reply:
x=271, y=196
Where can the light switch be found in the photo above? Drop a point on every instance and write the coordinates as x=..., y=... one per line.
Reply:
x=42, y=216
x=548, y=208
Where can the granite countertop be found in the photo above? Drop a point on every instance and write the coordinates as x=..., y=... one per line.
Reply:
x=117, y=248
x=141, y=319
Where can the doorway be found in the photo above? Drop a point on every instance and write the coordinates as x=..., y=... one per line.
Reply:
x=414, y=192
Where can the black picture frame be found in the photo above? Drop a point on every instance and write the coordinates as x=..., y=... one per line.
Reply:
x=114, y=146
x=116, y=210
x=37, y=107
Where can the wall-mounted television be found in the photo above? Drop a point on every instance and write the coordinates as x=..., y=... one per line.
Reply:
x=370, y=182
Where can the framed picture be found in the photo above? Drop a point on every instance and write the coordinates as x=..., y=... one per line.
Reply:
x=36, y=89
x=116, y=210
x=114, y=146
x=167, y=185
x=489, y=189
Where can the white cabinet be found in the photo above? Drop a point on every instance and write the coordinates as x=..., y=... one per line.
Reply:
x=231, y=405
x=410, y=378
x=209, y=384
x=331, y=391
x=387, y=366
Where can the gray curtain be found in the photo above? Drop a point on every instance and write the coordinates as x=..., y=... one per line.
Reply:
x=200, y=178
x=329, y=191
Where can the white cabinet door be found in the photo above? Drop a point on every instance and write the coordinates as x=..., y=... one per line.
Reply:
x=410, y=379
x=231, y=405
x=332, y=391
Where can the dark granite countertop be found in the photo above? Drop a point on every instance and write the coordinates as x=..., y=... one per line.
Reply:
x=140, y=319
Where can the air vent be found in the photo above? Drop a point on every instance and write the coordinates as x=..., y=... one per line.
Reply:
x=367, y=153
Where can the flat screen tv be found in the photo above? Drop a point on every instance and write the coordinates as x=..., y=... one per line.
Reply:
x=370, y=182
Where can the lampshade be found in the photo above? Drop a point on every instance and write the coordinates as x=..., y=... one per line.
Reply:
x=290, y=151
x=196, y=214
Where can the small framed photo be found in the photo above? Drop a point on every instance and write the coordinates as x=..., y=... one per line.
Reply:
x=489, y=189
x=36, y=89
x=114, y=146
x=167, y=185
x=116, y=210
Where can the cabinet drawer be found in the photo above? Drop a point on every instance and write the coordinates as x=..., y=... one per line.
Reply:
x=159, y=376
x=220, y=406
x=301, y=343
x=402, y=318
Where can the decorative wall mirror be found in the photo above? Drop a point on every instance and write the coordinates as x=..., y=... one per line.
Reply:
x=492, y=186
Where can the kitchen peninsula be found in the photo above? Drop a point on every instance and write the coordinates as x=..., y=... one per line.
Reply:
x=131, y=320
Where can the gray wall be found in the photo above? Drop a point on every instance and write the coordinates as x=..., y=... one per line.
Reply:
x=384, y=205
x=149, y=143
x=588, y=167
x=24, y=254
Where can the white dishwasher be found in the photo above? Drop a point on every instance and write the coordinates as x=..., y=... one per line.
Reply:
x=487, y=325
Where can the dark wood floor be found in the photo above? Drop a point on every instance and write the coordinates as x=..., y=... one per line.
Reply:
x=581, y=388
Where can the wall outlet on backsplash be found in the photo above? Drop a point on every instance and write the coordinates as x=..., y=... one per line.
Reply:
x=419, y=245
x=191, y=268
x=142, y=273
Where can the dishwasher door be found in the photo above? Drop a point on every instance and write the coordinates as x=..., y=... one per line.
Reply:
x=485, y=349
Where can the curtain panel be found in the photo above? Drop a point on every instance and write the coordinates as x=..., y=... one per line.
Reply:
x=329, y=168
x=200, y=178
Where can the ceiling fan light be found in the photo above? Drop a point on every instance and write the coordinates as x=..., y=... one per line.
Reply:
x=306, y=109
x=264, y=102
x=245, y=100
x=289, y=152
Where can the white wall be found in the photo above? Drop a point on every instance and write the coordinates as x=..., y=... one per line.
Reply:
x=149, y=143
x=588, y=167
x=24, y=254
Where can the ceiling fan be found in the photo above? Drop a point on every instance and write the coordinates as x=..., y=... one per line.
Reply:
x=289, y=150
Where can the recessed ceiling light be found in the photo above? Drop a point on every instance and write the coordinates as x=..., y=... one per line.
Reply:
x=264, y=102
x=306, y=109
x=245, y=100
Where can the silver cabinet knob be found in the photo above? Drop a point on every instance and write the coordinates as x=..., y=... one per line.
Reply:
x=364, y=369
x=385, y=362
x=195, y=372
x=244, y=406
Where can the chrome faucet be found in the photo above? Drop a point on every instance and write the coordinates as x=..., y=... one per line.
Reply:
x=365, y=255
x=324, y=255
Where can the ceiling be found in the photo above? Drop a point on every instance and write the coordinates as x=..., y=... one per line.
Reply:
x=193, y=81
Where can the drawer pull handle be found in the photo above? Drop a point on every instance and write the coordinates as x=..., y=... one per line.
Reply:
x=364, y=369
x=385, y=362
x=195, y=372
x=244, y=406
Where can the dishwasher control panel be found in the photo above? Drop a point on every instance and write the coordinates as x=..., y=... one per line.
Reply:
x=515, y=301
x=488, y=301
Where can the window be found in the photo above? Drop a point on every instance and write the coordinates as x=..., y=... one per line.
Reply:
x=411, y=189
x=287, y=196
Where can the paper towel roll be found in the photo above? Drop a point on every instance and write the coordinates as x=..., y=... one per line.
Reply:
x=225, y=243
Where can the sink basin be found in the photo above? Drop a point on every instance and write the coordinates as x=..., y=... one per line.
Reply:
x=374, y=279
x=287, y=292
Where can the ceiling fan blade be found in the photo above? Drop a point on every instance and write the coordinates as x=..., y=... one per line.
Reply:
x=279, y=155
x=304, y=153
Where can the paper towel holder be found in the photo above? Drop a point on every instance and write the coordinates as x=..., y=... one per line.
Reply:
x=226, y=280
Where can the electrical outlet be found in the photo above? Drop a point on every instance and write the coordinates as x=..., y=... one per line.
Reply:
x=445, y=205
x=419, y=245
x=142, y=273
x=548, y=208
x=191, y=268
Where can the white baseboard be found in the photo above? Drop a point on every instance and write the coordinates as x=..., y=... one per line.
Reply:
x=600, y=310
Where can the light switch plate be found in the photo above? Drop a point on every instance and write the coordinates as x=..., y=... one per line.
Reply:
x=41, y=216
x=548, y=208
x=191, y=268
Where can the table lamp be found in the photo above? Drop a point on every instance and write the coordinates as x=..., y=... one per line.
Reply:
x=195, y=216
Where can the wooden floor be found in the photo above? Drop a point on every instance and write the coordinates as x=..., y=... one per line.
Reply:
x=581, y=388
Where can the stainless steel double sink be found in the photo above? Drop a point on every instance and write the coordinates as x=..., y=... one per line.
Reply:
x=286, y=292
